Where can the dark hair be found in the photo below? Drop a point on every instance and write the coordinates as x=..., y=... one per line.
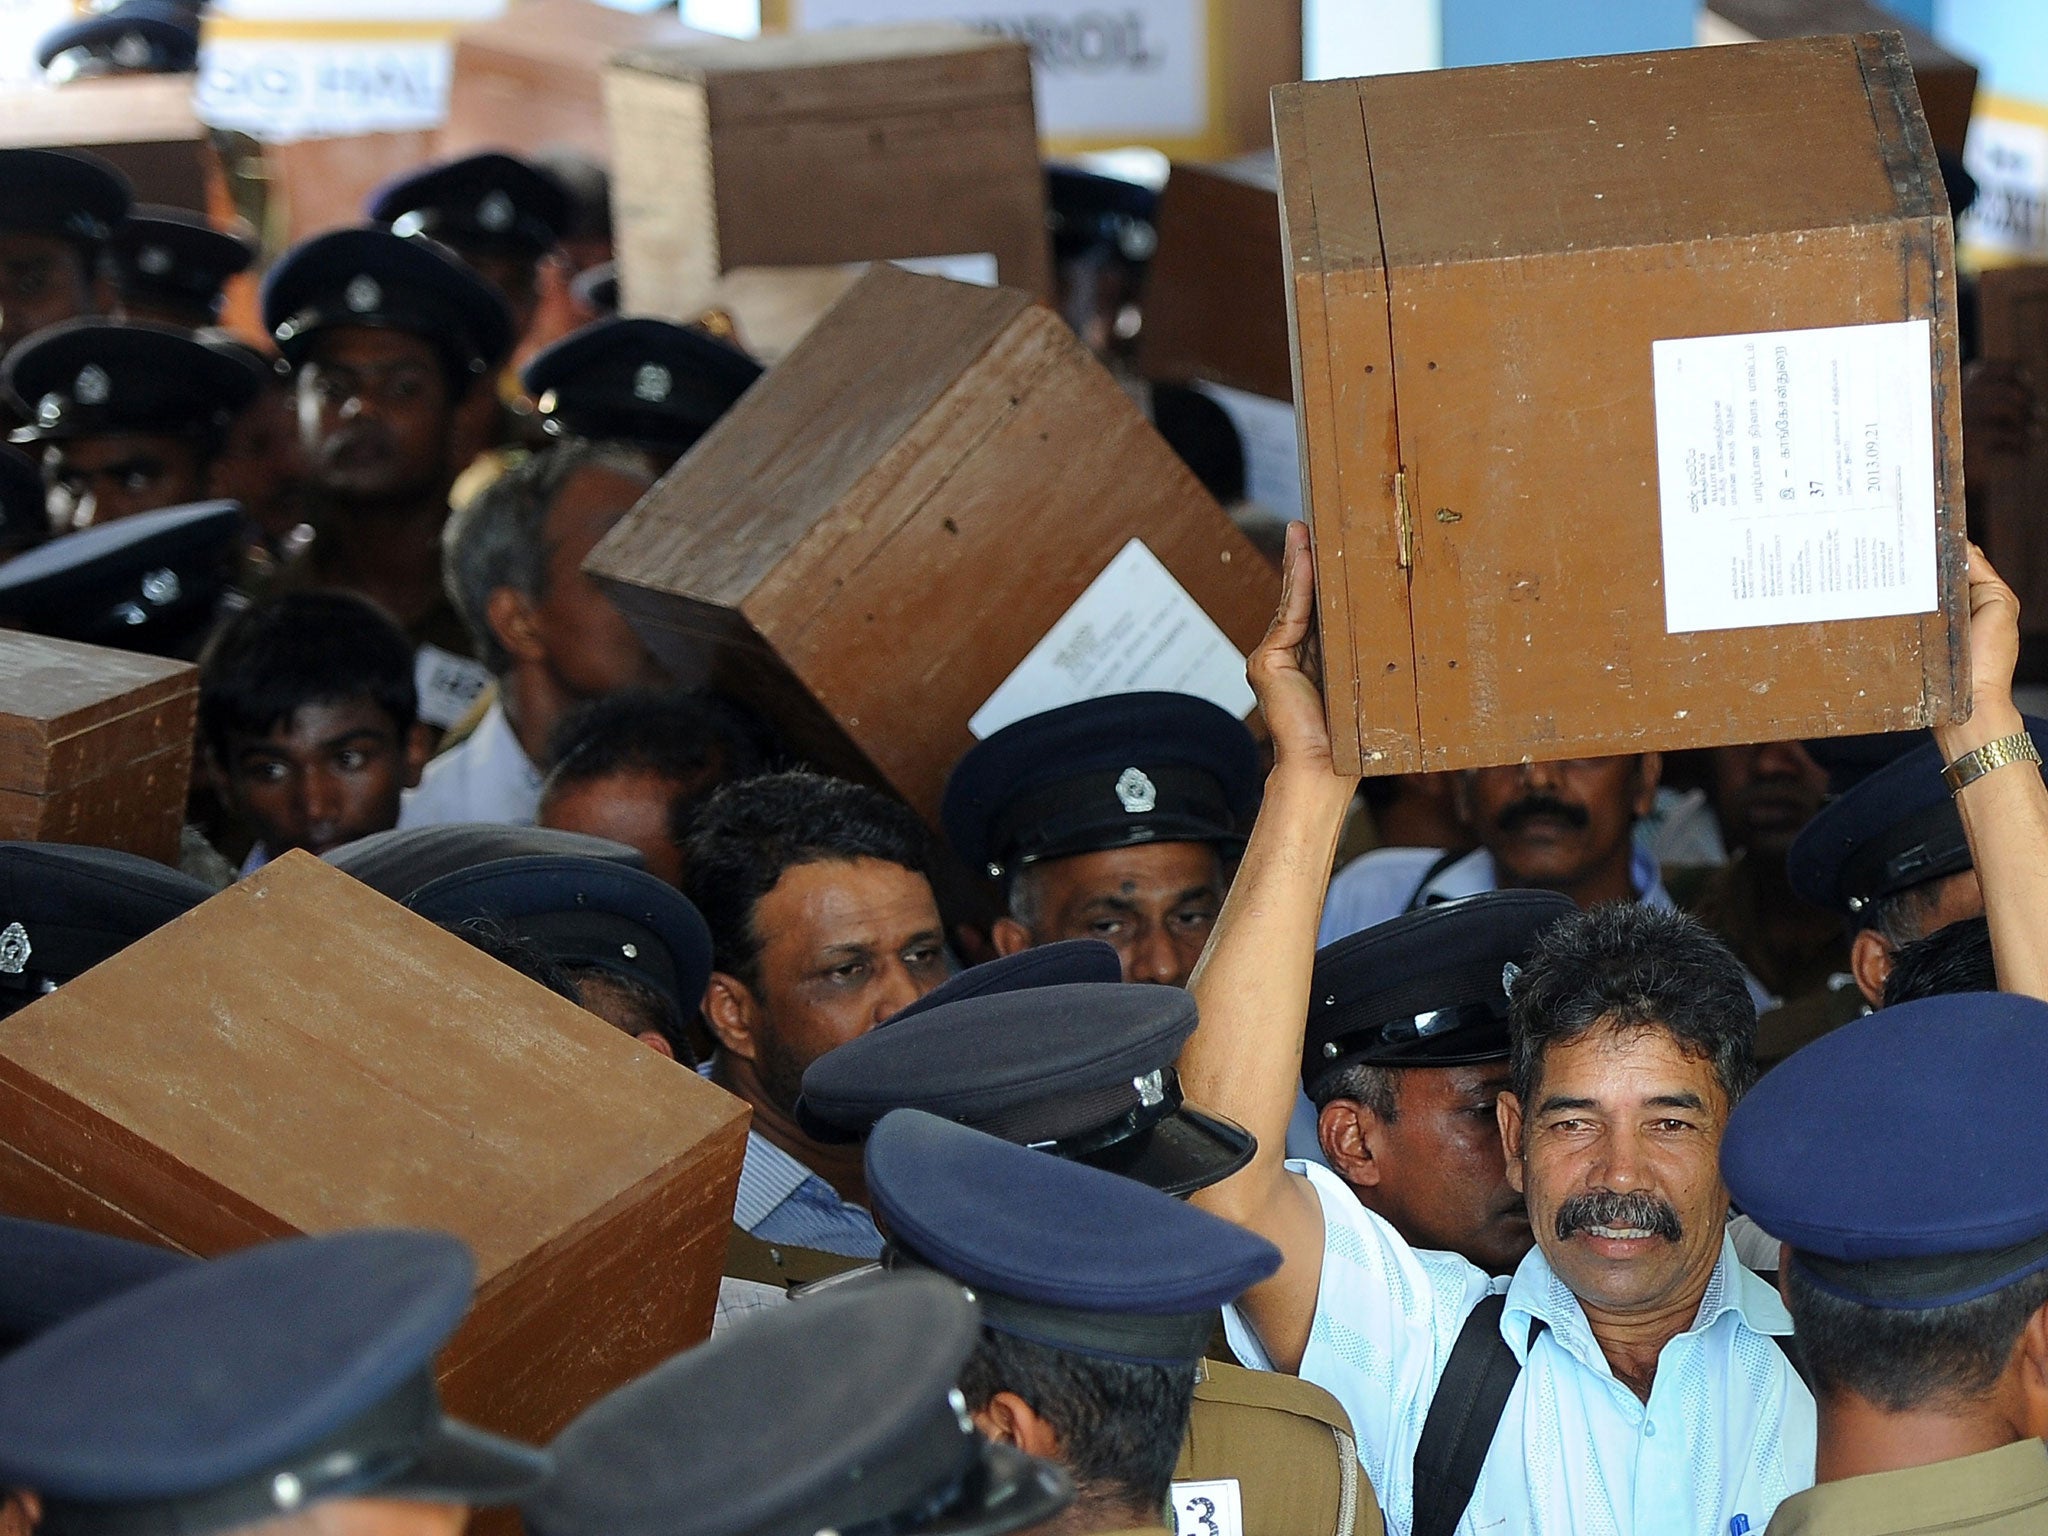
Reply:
x=1120, y=1425
x=749, y=833
x=1902, y=917
x=695, y=741
x=661, y=1013
x=1952, y=959
x=275, y=657
x=494, y=940
x=1637, y=967
x=1373, y=1086
x=1899, y=1359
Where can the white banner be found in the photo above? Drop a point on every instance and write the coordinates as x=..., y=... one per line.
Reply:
x=2009, y=158
x=280, y=89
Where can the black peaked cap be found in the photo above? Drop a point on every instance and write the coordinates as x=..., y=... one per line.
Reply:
x=1058, y=1252
x=1083, y=1070
x=872, y=1434
x=403, y=860
x=91, y=377
x=1427, y=988
x=64, y=908
x=152, y=37
x=151, y=583
x=490, y=198
x=641, y=380
x=62, y=192
x=49, y=1273
x=171, y=255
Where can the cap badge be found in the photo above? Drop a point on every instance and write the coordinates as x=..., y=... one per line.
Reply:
x=162, y=586
x=1151, y=1088
x=131, y=50
x=362, y=294
x=14, y=950
x=652, y=383
x=50, y=410
x=1508, y=972
x=91, y=385
x=1135, y=792
x=154, y=260
x=495, y=212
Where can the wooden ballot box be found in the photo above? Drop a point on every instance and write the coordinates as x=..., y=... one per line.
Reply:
x=95, y=745
x=1216, y=294
x=857, y=144
x=1947, y=84
x=2006, y=498
x=937, y=514
x=532, y=79
x=300, y=1054
x=1646, y=438
x=142, y=125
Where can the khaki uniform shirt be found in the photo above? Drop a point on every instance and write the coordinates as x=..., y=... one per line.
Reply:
x=1993, y=1493
x=1270, y=1455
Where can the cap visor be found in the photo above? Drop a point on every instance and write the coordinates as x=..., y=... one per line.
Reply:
x=1010, y=1492
x=1188, y=1150
x=462, y=1464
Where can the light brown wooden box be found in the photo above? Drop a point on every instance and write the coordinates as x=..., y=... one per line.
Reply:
x=857, y=144
x=1216, y=294
x=533, y=78
x=142, y=125
x=95, y=745
x=300, y=1054
x=1477, y=416
x=2006, y=502
x=870, y=542
x=1947, y=84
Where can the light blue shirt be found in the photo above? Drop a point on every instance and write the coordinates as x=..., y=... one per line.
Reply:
x=782, y=1201
x=487, y=777
x=1728, y=1431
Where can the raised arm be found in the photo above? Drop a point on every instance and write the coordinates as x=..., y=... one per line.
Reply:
x=2005, y=812
x=1252, y=984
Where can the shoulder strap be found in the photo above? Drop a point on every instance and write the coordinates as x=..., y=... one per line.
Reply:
x=1442, y=862
x=1470, y=1398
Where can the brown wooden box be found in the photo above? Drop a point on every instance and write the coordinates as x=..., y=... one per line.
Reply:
x=858, y=144
x=1477, y=411
x=300, y=1054
x=533, y=78
x=1216, y=295
x=2006, y=501
x=143, y=125
x=1948, y=85
x=95, y=745
x=872, y=540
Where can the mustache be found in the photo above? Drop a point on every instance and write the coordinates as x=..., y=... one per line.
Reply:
x=1638, y=1209
x=1529, y=807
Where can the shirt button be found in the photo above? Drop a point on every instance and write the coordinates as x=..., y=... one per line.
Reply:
x=1650, y=1428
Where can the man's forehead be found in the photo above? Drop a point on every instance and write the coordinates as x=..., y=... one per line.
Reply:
x=360, y=346
x=1625, y=1060
x=849, y=903
x=1167, y=870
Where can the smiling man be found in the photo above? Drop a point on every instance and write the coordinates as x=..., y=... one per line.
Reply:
x=823, y=924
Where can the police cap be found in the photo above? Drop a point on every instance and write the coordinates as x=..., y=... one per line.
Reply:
x=1084, y=1071
x=486, y=200
x=168, y=259
x=371, y=277
x=641, y=380
x=94, y=378
x=1428, y=988
x=1810, y=1153
x=582, y=911
x=61, y=192
x=66, y=907
x=401, y=861
x=1896, y=829
x=872, y=1436
x=1057, y=1252
x=152, y=582
x=49, y=1273
x=1087, y=211
x=137, y=37
x=1049, y=965
x=1105, y=773
x=246, y=1388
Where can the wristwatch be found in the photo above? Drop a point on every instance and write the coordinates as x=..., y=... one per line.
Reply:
x=1973, y=765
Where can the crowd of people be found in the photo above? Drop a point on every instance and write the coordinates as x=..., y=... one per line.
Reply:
x=1180, y=1135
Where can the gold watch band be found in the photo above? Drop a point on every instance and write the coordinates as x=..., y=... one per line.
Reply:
x=1973, y=765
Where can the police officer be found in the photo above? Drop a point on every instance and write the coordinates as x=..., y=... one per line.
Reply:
x=136, y=37
x=1112, y=819
x=57, y=209
x=172, y=266
x=875, y=1441
x=1097, y=1294
x=255, y=1387
x=500, y=214
x=1891, y=856
x=650, y=383
x=129, y=417
x=1104, y=232
x=1917, y=1274
x=66, y=907
x=400, y=862
x=1406, y=1052
x=1084, y=1070
x=153, y=583
x=635, y=948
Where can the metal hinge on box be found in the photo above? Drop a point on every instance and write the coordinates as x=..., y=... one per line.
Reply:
x=1404, y=525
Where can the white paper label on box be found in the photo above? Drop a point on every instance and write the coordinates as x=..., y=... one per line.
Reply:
x=976, y=267
x=281, y=89
x=1133, y=70
x=1211, y=1508
x=1134, y=629
x=1795, y=472
x=1272, y=450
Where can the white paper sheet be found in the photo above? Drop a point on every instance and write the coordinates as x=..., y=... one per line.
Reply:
x=1796, y=475
x=976, y=267
x=1272, y=448
x=1135, y=628
x=1214, y=1507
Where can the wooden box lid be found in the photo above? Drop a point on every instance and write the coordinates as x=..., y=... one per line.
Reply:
x=1216, y=294
x=300, y=1054
x=900, y=510
x=919, y=67
x=71, y=711
x=1477, y=410
x=143, y=125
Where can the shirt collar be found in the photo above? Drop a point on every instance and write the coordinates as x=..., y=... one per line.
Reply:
x=494, y=740
x=768, y=1176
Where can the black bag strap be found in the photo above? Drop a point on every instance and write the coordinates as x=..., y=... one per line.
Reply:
x=1470, y=1398
x=1443, y=862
